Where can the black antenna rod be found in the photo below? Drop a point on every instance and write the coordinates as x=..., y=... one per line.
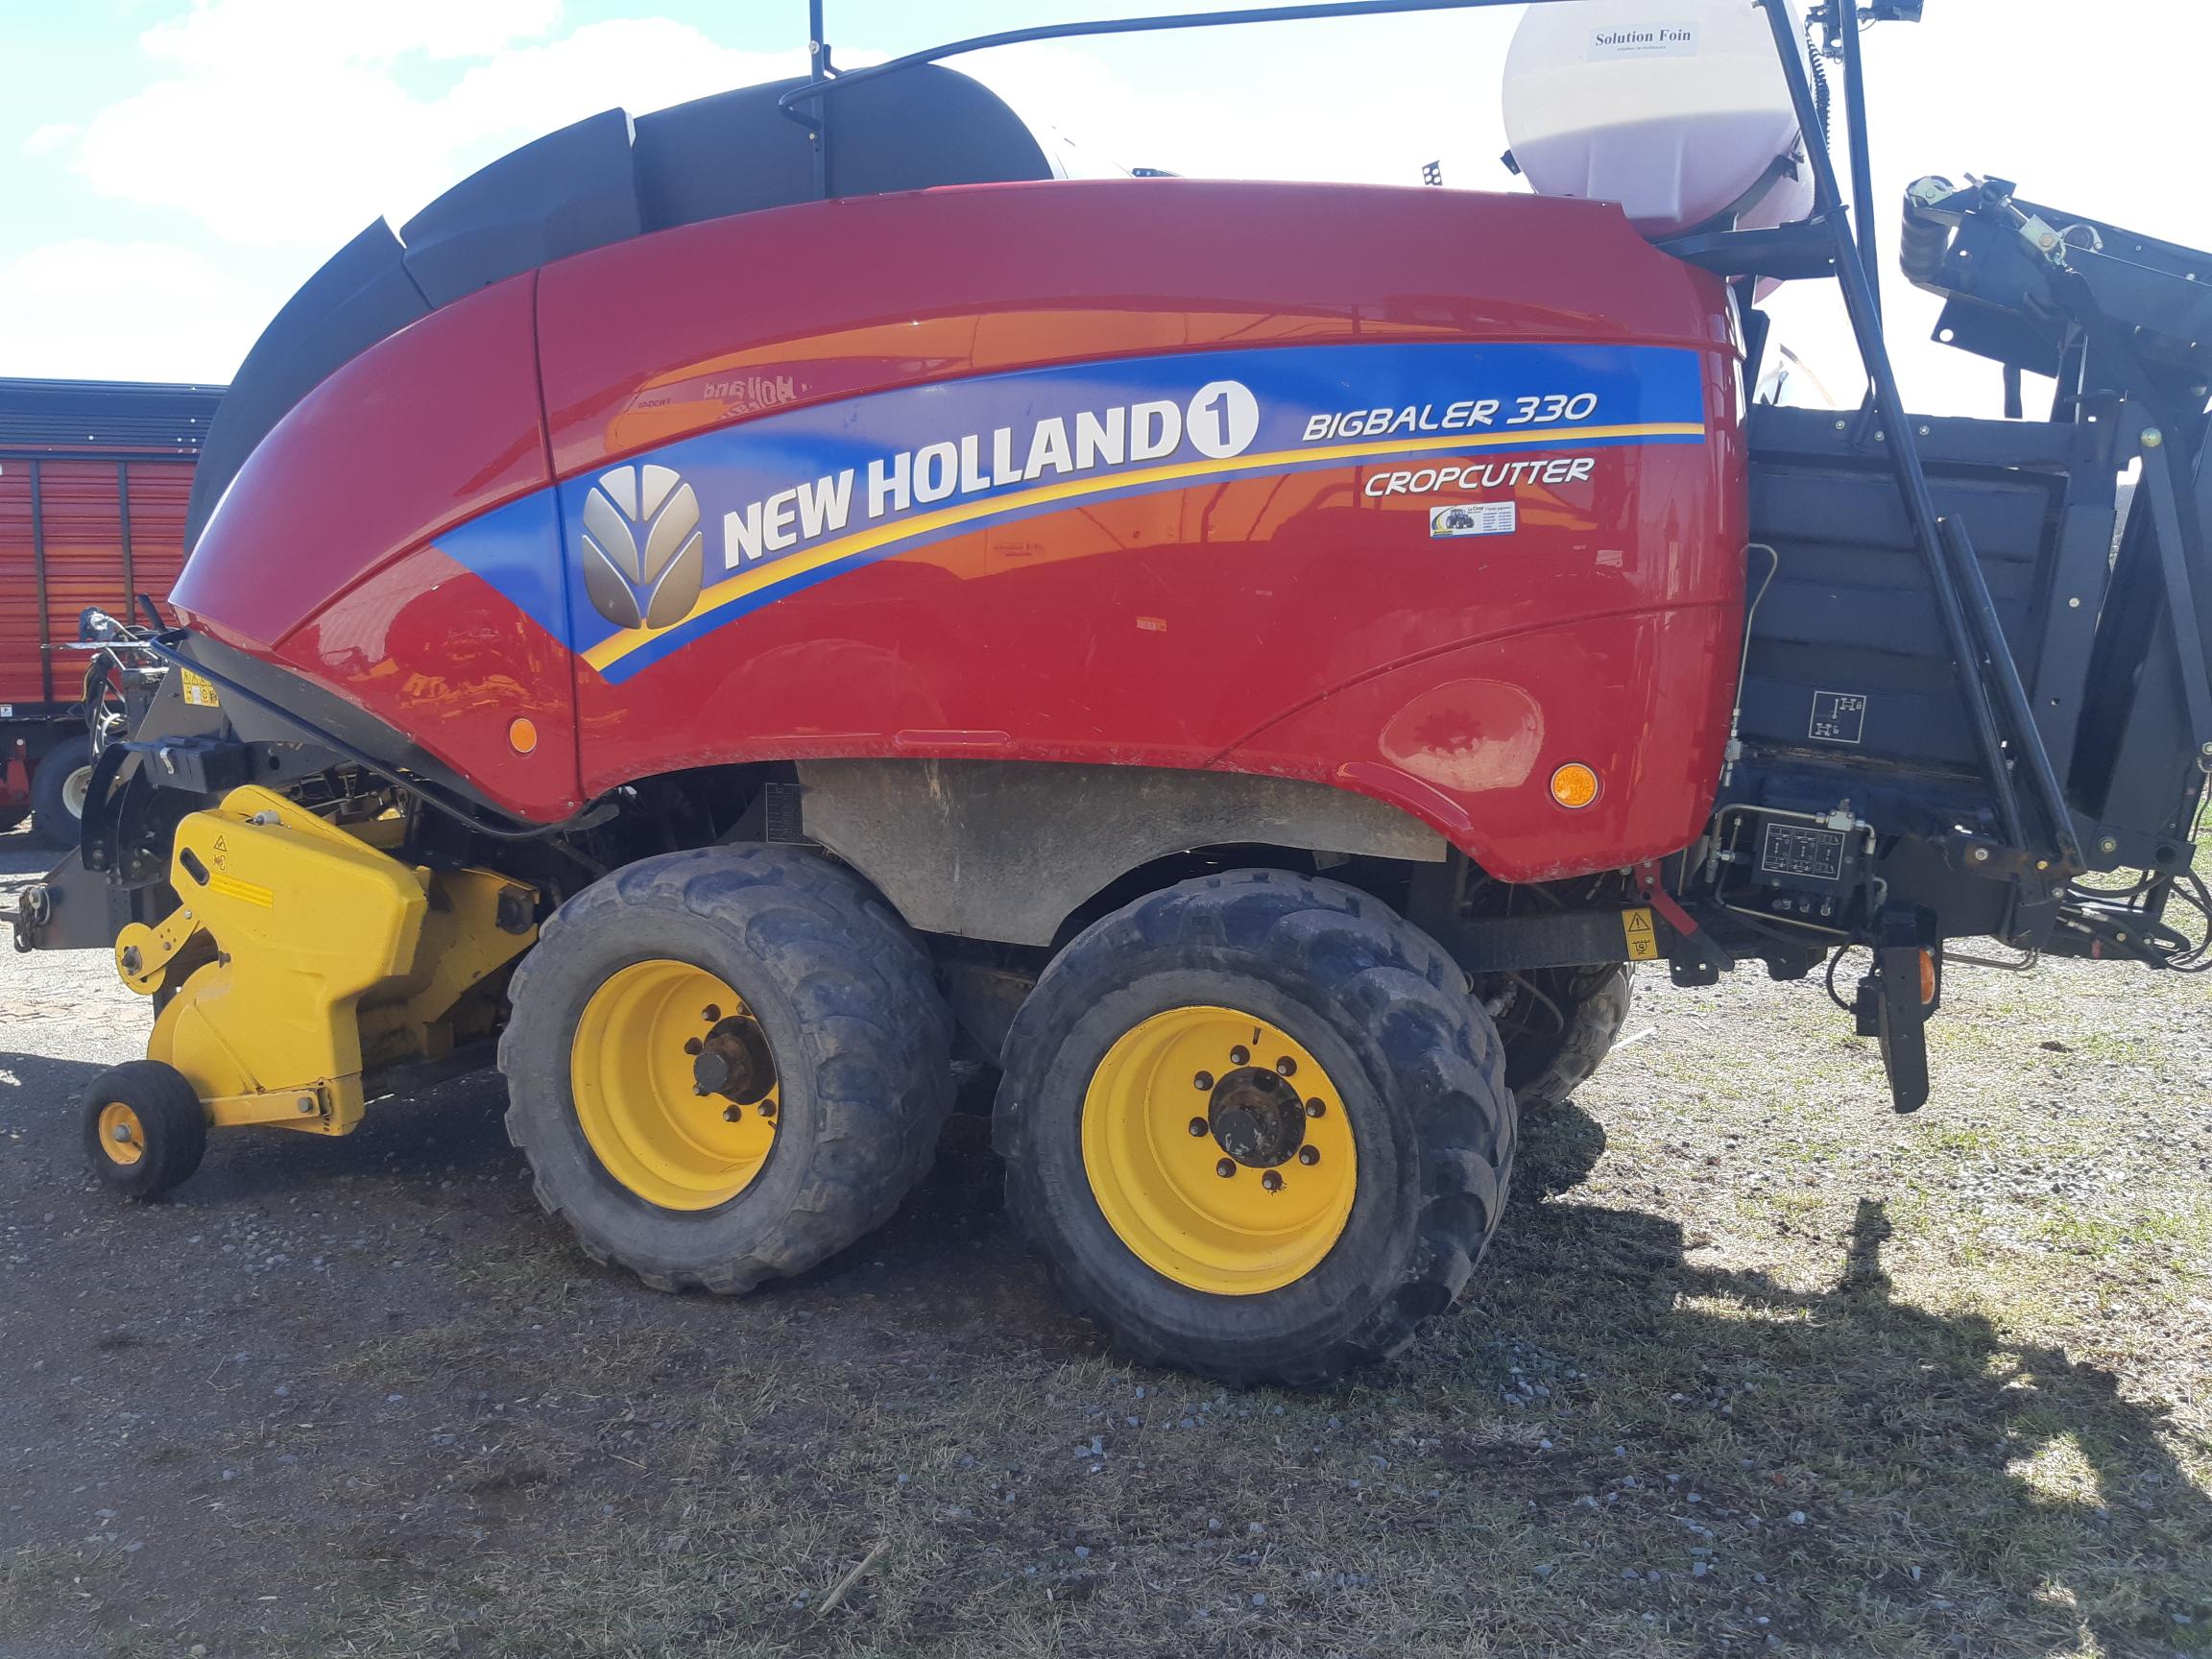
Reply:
x=818, y=71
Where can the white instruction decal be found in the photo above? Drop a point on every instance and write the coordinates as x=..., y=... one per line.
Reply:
x=1474, y=519
x=1838, y=717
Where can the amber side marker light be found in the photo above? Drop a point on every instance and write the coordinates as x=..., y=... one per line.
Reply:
x=1574, y=785
x=523, y=734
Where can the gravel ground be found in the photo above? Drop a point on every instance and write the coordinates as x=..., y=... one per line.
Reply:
x=1755, y=1367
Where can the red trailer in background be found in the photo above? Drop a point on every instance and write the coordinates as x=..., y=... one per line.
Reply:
x=94, y=475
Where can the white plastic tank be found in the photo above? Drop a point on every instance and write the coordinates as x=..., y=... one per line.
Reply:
x=1677, y=110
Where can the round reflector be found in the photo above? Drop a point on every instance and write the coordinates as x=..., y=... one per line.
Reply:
x=1574, y=785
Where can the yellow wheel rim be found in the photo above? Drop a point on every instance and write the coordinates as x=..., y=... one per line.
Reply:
x=122, y=1136
x=1218, y=1150
x=674, y=1083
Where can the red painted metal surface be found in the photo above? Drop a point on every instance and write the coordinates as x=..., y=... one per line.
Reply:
x=1286, y=623
x=78, y=527
x=441, y=655
x=431, y=426
x=322, y=556
x=649, y=340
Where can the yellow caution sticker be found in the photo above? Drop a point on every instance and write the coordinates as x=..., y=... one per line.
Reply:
x=1642, y=938
x=245, y=892
x=199, y=691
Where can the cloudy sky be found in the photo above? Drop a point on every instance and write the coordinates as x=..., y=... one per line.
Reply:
x=172, y=169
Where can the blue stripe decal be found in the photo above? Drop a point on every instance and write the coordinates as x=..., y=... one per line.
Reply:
x=781, y=502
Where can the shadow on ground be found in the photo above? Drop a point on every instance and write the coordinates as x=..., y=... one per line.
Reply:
x=1947, y=1468
x=359, y=1396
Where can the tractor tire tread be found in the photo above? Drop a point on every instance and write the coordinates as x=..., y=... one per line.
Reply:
x=876, y=1007
x=174, y=1121
x=52, y=822
x=1377, y=968
x=1602, y=1000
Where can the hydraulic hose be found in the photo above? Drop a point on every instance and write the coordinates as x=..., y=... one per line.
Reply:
x=429, y=794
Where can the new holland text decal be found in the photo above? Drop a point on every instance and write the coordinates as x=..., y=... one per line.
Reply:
x=668, y=546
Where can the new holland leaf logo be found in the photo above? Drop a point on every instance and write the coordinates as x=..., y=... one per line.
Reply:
x=644, y=552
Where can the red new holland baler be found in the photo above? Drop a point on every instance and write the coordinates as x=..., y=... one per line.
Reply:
x=726, y=608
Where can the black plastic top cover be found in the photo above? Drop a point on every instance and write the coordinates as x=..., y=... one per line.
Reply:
x=737, y=153
x=361, y=294
x=604, y=180
x=561, y=194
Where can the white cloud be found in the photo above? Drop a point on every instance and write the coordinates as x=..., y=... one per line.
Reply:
x=638, y=65
x=1261, y=124
x=302, y=35
x=46, y=139
x=306, y=119
x=125, y=311
x=291, y=159
x=302, y=132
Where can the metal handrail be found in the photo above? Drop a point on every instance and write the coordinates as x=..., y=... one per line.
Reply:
x=826, y=79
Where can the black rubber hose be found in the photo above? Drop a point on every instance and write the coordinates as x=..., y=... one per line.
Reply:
x=428, y=794
x=1822, y=95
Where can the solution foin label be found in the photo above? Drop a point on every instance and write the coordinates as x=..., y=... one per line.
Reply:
x=1651, y=41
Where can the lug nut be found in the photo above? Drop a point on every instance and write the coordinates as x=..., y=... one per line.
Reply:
x=1203, y=1080
x=1314, y=1108
x=767, y=1108
x=1271, y=1181
x=1239, y=1055
x=1225, y=1169
x=1308, y=1156
x=1285, y=1066
x=710, y=1013
x=694, y=1046
x=1197, y=1127
x=730, y=1114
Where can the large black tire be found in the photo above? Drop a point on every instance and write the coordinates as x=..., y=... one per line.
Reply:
x=56, y=783
x=145, y=1130
x=1382, y=1009
x=846, y=999
x=1546, y=1060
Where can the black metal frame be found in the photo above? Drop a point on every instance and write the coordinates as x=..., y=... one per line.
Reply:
x=1962, y=601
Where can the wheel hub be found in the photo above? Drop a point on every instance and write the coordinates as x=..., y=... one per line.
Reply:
x=1256, y=1118
x=674, y=1083
x=1220, y=1150
x=122, y=1136
x=76, y=790
x=733, y=1061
